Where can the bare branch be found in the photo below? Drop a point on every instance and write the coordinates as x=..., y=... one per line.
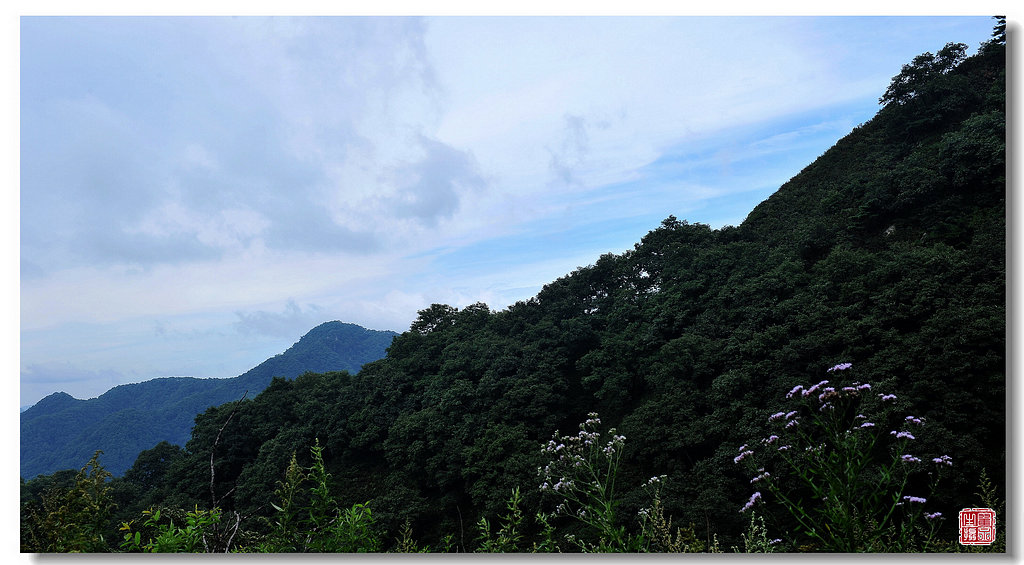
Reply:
x=213, y=451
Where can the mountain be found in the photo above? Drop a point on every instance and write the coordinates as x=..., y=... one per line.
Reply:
x=59, y=431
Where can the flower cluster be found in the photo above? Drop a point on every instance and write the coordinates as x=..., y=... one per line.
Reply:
x=750, y=503
x=943, y=460
x=835, y=429
x=654, y=481
x=581, y=472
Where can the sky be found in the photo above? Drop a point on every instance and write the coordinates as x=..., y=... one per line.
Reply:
x=197, y=193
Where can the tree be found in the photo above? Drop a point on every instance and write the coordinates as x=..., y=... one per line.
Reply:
x=905, y=86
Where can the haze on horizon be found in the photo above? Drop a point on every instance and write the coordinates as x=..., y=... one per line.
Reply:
x=197, y=193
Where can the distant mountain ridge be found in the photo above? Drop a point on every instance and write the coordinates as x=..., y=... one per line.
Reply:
x=60, y=431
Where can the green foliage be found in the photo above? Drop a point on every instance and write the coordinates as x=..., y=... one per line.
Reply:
x=509, y=537
x=755, y=539
x=73, y=519
x=319, y=525
x=193, y=537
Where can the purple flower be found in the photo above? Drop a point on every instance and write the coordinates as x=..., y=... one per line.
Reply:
x=792, y=423
x=943, y=460
x=841, y=367
x=865, y=386
x=814, y=388
x=867, y=425
x=750, y=504
x=887, y=397
x=776, y=416
x=917, y=499
x=910, y=459
x=784, y=448
x=933, y=516
x=762, y=476
x=790, y=414
x=901, y=435
x=770, y=439
x=741, y=456
x=795, y=390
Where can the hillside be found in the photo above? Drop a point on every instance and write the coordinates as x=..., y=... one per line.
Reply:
x=58, y=431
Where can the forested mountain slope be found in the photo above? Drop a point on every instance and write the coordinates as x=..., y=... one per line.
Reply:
x=887, y=252
x=59, y=431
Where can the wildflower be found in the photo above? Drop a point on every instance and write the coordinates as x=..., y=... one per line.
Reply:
x=828, y=392
x=910, y=459
x=750, y=504
x=933, y=515
x=760, y=477
x=841, y=367
x=901, y=435
x=655, y=480
x=885, y=397
x=860, y=417
x=742, y=448
x=741, y=456
x=824, y=406
x=916, y=499
x=790, y=414
x=770, y=439
x=849, y=389
x=784, y=448
x=796, y=390
x=792, y=423
x=775, y=541
x=814, y=388
x=867, y=425
x=865, y=386
x=776, y=416
x=943, y=460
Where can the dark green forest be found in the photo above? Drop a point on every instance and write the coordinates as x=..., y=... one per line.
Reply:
x=637, y=403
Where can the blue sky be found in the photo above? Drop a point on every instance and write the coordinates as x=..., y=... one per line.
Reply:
x=197, y=193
